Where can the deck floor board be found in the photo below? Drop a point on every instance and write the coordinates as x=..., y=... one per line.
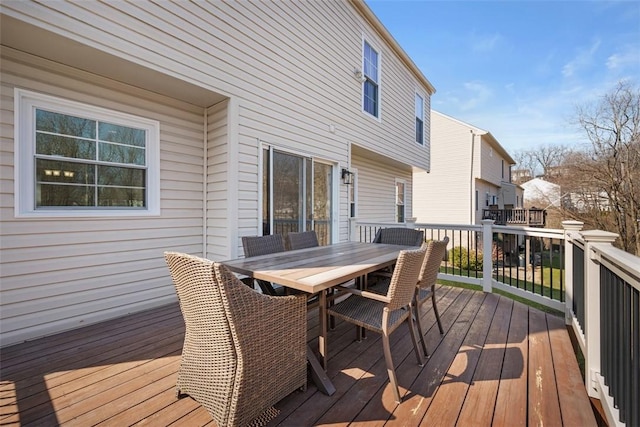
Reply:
x=498, y=362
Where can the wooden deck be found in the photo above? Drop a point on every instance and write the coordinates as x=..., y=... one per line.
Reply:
x=499, y=363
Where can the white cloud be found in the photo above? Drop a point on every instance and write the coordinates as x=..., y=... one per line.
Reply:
x=477, y=94
x=485, y=43
x=583, y=59
x=628, y=57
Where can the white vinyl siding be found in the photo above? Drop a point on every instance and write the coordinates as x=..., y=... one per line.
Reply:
x=218, y=195
x=62, y=273
x=221, y=78
x=492, y=164
x=377, y=190
x=445, y=194
x=253, y=50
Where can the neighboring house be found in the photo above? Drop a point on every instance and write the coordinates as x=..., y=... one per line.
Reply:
x=588, y=200
x=518, y=176
x=470, y=171
x=541, y=194
x=133, y=128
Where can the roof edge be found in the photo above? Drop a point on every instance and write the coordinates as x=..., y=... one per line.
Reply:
x=368, y=14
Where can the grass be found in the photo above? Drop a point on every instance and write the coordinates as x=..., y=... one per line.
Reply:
x=540, y=286
x=525, y=301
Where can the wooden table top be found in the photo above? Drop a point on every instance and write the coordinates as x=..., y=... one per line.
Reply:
x=314, y=269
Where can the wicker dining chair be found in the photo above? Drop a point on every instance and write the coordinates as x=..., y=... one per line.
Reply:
x=385, y=313
x=302, y=240
x=426, y=286
x=399, y=236
x=234, y=362
x=395, y=236
x=263, y=245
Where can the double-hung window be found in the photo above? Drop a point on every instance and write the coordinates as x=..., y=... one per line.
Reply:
x=371, y=84
x=79, y=160
x=419, y=120
x=400, y=198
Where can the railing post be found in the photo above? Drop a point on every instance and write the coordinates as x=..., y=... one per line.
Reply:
x=592, y=307
x=353, y=237
x=487, y=260
x=411, y=223
x=570, y=228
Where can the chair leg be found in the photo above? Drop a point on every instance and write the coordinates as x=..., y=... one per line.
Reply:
x=416, y=309
x=435, y=310
x=414, y=339
x=390, y=369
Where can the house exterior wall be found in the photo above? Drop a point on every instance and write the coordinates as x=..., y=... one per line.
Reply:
x=376, y=190
x=253, y=75
x=444, y=195
x=59, y=272
x=467, y=163
x=492, y=164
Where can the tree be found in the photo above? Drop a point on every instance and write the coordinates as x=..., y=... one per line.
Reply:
x=542, y=161
x=606, y=177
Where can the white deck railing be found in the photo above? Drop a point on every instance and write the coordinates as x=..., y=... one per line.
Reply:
x=577, y=272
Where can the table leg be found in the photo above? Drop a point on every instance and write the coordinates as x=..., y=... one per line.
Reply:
x=322, y=338
x=318, y=374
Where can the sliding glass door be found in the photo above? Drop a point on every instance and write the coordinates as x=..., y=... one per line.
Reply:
x=297, y=195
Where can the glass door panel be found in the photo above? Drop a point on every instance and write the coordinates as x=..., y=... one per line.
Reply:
x=297, y=194
x=322, y=191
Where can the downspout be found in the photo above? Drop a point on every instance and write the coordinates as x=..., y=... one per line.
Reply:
x=205, y=170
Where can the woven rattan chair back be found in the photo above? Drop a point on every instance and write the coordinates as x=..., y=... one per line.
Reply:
x=426, y=289
x=263, y=245
x=302, y=240
x=436, y=250
x=399, y=236
x=234, y=363
x=405, y=276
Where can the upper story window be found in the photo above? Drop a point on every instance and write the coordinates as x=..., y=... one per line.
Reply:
x=79, y=160
x=371, y=85
x=400, y=198
x=419, y=120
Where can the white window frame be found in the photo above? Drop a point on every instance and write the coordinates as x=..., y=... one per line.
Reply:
x=25, y=105
x=404, y=200
x=352, y=195
x=379, y=79
x=419, y=96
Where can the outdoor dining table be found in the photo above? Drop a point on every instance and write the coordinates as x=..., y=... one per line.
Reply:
x=314, y=270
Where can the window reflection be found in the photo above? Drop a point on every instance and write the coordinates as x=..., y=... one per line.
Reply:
x=82, y=162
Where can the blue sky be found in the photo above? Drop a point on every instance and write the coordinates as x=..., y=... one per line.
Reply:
x=518, y=68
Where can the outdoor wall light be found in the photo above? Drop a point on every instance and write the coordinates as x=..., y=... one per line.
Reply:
x=347, y=177
x=359, y=75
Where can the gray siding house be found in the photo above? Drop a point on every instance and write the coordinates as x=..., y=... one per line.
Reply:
x=132, y=128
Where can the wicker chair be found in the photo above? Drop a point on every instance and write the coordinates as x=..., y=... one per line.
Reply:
x=302, y=240
x=399, y=236
x=395, y=236
x=263, y=245
x=426, y=287
x=234, y=362
x=385, y=313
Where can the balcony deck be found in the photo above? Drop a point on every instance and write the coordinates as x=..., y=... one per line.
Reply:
x=498, y=363
x=525, y=217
